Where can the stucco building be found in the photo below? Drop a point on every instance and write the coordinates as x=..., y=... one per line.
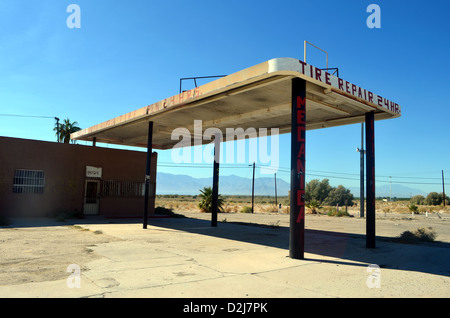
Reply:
x=40, y=178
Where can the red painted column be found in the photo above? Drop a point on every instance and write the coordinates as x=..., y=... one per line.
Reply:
x=298, y=143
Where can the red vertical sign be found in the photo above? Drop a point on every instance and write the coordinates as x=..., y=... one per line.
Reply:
x=301, y=128
x=298, y=151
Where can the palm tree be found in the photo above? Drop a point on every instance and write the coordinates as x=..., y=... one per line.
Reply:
x=314, y=205
x=64, y=130
x=205, y=204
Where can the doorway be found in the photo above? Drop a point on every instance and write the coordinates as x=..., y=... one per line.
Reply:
x=91, y=197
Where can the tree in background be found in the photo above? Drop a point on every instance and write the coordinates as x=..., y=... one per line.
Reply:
x=317, y=190
x=418, y=200
x=339, y=196
x=322, y=193
x=64, y=130
x=434, y=198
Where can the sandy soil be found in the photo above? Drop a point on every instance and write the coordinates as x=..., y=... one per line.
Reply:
x=36, y=254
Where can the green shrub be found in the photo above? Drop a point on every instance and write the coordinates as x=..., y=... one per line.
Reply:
x=314, y=205
x=339, y=213
x=246, y=209
x=418, y=235
x=413, y=208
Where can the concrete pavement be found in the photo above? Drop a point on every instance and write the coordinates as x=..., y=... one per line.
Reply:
x=188, y=258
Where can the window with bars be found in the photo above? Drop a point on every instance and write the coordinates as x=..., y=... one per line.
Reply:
x=29, y=181
x=113, y=188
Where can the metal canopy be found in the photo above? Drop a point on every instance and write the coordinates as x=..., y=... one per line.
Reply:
x=258, y=97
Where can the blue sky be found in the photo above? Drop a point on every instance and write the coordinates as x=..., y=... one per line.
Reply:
x=129, y=54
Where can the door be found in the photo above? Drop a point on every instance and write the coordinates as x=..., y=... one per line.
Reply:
x=91, y=197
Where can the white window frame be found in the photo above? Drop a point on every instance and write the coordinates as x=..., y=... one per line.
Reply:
x=29, y=181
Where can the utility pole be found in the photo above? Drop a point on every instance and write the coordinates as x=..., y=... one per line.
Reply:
x=57, y=127
x=253, y=187
x=390, y=188
x=361, y=181
x=443, y=188
x=215, y=190
x=276, y=201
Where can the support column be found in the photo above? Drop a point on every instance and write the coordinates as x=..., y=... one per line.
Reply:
x=361, y=175
x=147, y=172
x=253, y=188
x=298, y=143
x=215, y=190
x=370, y=180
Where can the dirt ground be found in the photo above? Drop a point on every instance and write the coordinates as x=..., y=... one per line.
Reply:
x=36, y=254
x=39, y=253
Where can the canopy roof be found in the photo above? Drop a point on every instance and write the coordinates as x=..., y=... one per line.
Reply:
x=258, y=97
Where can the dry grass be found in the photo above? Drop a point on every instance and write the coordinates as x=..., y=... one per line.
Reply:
x=402, y=207
x=232, y=204
x=264, y=204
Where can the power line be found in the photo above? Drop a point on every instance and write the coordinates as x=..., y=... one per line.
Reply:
x=381, y=176
x=29, y=116
x=190, y=166
x=405, y=182
x=328, y=174
x=422, y=178
x=198, y=165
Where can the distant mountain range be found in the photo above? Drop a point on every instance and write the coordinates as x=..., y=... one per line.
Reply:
x=398, y=191
x=168, y=183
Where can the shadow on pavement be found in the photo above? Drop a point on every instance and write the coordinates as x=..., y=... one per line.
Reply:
x=338, y=248
x=320, y=246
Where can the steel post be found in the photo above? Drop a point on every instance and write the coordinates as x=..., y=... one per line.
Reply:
x=443, y=189
x=253, y=188
x=147, y=172
x=215, y=190
x=370, y=180
x=361, y=177
x=297, y=196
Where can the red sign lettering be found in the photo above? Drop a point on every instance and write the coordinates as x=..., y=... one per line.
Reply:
x=344, y=86
x=301, y=214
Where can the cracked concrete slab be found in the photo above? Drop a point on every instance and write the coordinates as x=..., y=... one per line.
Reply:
x=188, y=258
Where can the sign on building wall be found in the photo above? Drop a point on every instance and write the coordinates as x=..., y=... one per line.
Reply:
x=93, y=172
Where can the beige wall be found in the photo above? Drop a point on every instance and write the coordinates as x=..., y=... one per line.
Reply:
x=65, y=175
